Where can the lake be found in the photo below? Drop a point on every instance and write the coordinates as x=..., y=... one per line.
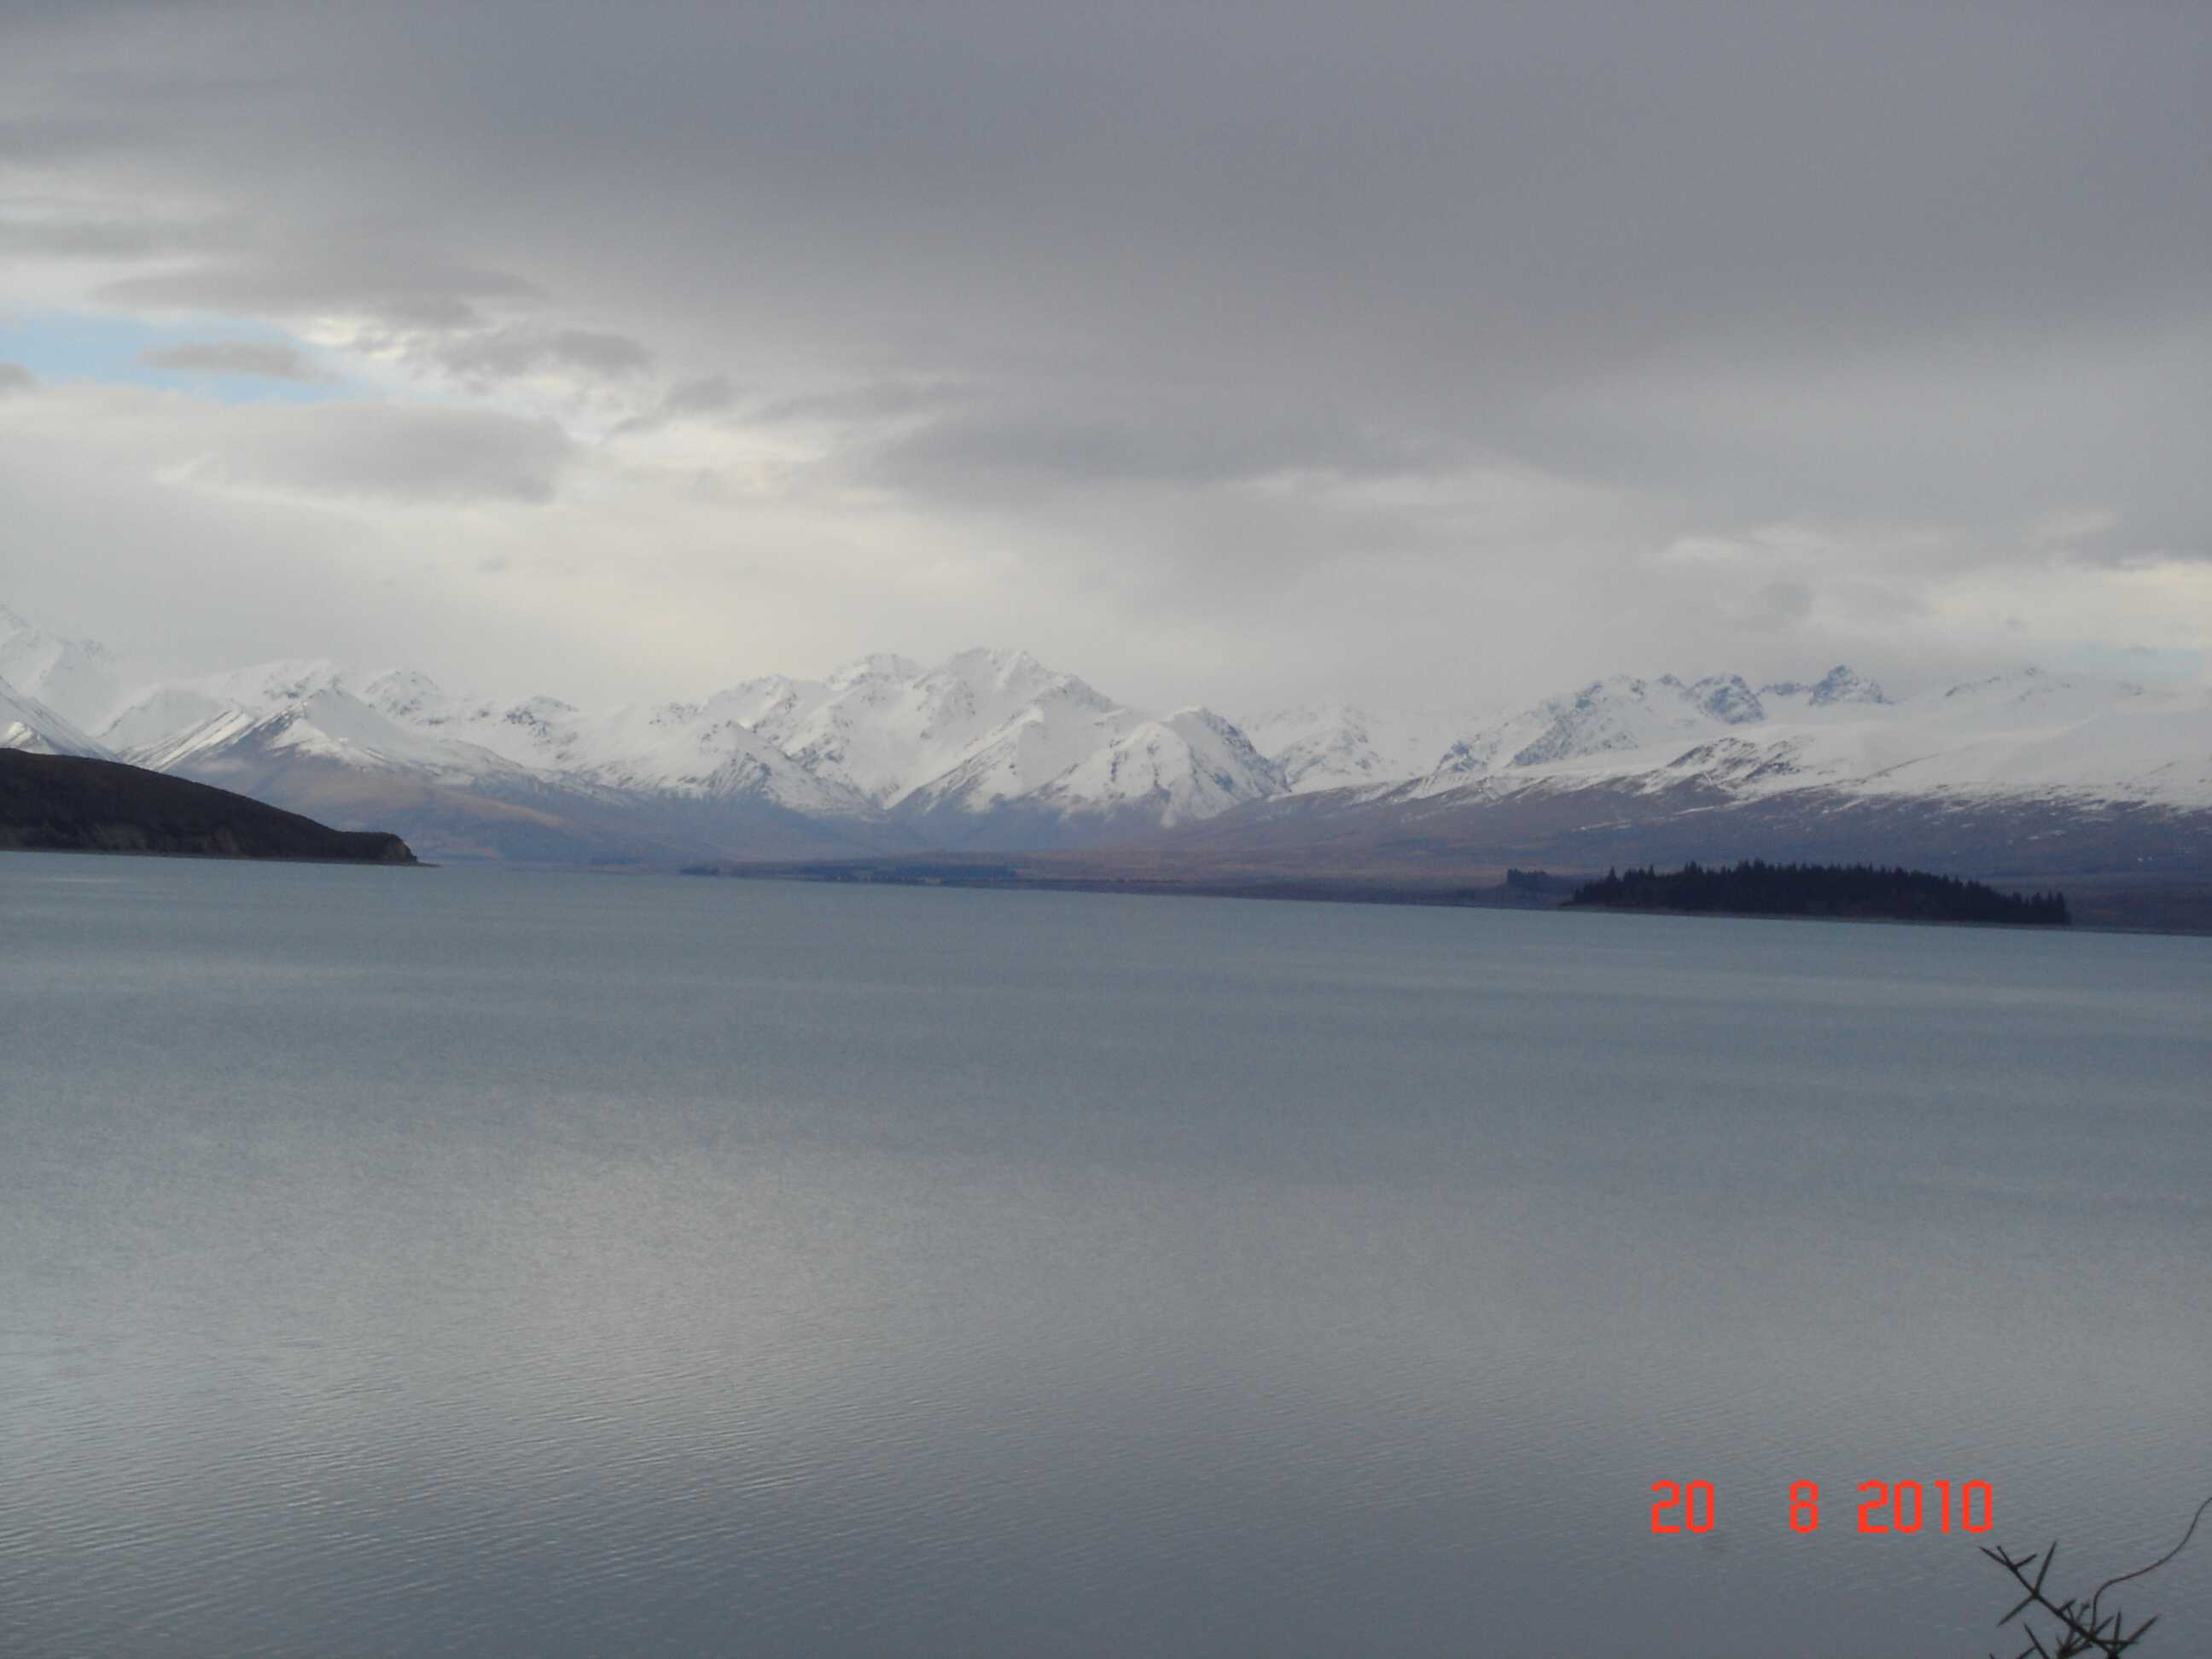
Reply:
x=474, y=1261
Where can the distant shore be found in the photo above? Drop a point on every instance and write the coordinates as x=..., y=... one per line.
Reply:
x=2101, y=902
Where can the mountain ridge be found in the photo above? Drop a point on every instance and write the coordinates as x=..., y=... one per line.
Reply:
x=993, y=749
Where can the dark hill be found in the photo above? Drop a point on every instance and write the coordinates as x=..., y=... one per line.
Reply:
x=59, y=802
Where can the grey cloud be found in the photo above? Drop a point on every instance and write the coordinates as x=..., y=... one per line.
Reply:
x=426, y=291
x=14, y=377
x=1453, y=204
x=112, y=236
x=880, y=400
x=991, y=449
x=705, y=394
x=31, y=14
x=76, y=103
x=263, y=360
x=708, y=394
x=1777, y=605
x=394, y=451
x=43, y=139
x=501, y=354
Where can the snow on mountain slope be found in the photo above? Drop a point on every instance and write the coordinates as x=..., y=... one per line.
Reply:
x=407, y=695
x=1616, y=714
x=1623, y=714
x=979, y=729
x=889, y=665
x=326, y=724
x=887, y=731
x=1336, y=745
x=539, y=732
x=1023, y=756
x=772, y=704
x=1726, y=698
x=641, y=783
x=1190, y=765
x=1839, y=686
x=686, y=749
x=160, y=717
x=2022, y=734
x=1625, y=725
x=2027, y=734
x=28, y=724
x=995, y=748
x=302, y=708
x=698, y=751
x=79, y=680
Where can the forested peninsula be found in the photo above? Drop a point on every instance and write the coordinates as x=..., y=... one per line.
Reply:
x=1857, y=891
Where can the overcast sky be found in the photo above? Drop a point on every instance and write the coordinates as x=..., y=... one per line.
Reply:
x=1220, y=349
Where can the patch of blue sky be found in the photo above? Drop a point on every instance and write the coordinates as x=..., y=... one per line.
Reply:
x=71, y=346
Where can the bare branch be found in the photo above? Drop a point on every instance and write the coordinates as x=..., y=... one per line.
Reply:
x=2080, y=1629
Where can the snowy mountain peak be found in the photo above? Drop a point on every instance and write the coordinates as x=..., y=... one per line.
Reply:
x=1727, y=700
x=78, y=679
x=1625, y=716
x=26, y=723
x=1621, y=712
x=284, y=680
x=772, y=704
x=1840, y=685
x=999, y=675
x=1235, y=765
x=990, y=658
x=1191, y=765
x=156, y=719
x=403, y=693
x=2034, y=684
x=541, y=707
x=1843, y=684
x=978, y=727
x=992, y=748
x=1335, y=745
x=877, y=665
x=1198, y=716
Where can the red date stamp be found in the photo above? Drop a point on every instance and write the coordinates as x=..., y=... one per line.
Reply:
x=1884, y=1506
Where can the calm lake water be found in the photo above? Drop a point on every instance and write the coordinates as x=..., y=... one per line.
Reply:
x=463, y=1261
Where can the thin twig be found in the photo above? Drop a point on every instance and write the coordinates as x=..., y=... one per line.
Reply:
x=2081, y=1630
x=2161, y=1561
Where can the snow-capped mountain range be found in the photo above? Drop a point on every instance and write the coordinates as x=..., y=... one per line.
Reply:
x=994, y=750
x=987, y=748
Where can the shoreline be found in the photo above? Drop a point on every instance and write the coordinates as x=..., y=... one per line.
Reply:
x=1322, y=891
